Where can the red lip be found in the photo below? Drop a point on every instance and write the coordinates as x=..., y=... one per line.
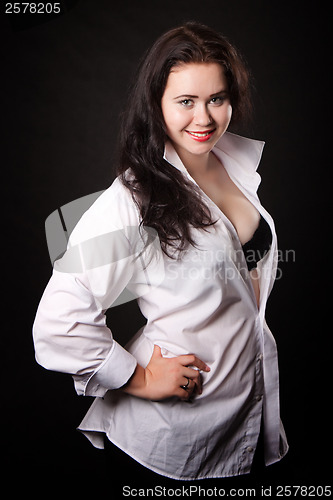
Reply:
x=201, y=138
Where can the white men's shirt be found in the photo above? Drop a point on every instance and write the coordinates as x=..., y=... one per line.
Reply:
x=202, y=303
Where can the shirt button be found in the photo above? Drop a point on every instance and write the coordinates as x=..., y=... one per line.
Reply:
x=259, y=397
x=249, y=449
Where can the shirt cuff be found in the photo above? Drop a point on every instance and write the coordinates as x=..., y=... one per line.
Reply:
x=114, y=372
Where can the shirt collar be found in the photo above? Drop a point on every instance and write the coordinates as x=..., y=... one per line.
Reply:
x=239, y=155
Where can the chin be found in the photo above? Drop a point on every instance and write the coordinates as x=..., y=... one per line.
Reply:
x=201, y=148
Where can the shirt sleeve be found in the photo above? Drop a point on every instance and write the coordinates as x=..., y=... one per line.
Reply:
x=97, y=270
x=71, y=336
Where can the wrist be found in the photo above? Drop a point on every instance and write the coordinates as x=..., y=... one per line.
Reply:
x=136, y=383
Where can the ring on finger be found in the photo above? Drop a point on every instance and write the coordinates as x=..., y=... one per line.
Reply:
x=185, y=387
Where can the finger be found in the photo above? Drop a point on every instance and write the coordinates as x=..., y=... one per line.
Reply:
x=186, y=383
x=192, y=360
x=157, y=352
x=187, y=393
x=197, y=381
x=195, y=376
x=191, y=373
x=182, y=394
x=198, y=385
x=189, y=388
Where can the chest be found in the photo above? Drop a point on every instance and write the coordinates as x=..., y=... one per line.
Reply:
x=224, y=193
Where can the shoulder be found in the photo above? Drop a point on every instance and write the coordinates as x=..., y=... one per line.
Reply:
x=114, y=209
x=115, y=204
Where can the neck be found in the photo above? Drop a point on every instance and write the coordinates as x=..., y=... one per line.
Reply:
x=195, y=164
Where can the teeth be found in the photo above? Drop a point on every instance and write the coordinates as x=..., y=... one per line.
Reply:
x=203, y=134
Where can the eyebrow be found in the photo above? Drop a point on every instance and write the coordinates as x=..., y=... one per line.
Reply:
x=196, y=97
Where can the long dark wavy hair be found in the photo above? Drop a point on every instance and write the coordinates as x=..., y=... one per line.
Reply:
x=167, y=201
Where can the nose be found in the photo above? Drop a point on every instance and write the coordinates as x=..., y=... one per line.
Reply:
x=202, y=116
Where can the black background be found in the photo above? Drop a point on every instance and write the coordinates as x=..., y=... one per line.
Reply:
x=64, y=82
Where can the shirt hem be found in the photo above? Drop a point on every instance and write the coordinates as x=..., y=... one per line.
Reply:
x=86, y=432
x=171, y=476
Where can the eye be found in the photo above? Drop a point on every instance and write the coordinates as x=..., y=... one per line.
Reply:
x=217, y=101
x=187, y=103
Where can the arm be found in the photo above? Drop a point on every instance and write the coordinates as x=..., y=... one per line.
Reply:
x=70, y=332
x=70, y=336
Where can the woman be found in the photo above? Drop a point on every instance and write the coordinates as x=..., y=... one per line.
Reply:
x=182, y=230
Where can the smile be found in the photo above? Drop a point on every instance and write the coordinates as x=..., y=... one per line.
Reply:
x=201, y=136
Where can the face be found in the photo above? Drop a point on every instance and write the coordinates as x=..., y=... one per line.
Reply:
x=196, y=108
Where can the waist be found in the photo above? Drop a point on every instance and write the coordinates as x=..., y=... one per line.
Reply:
x=231, y=356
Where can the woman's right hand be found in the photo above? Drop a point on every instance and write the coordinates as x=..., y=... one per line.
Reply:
x=164, y=377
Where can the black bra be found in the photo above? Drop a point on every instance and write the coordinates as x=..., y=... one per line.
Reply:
x=256, y=248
